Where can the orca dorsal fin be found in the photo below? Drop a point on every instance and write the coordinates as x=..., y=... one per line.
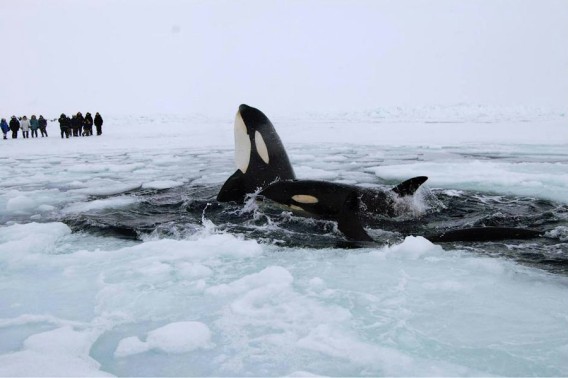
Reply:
x=408, y=187
x=348, y=220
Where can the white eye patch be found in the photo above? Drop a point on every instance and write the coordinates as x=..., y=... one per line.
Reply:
x=261, y=147
x=242, y=144
x=305, y=198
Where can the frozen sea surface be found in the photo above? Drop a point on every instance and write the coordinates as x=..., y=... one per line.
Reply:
x=116, y=260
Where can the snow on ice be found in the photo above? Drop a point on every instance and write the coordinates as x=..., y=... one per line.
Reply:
x=214, y=303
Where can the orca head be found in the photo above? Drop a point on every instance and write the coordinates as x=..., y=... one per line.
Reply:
x=260, y=156
x=250, y=126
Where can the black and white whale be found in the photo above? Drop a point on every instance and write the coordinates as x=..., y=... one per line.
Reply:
x=263, y=167
x=351, y=206
x=260, y=156
x=348, y=205
x=262, y=164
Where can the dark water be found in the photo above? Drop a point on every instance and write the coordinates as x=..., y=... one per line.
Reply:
x=179, y=212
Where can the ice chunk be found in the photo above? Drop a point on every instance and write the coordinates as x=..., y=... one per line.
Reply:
x=31, y=237
x=271, y=276
x=21, y=204
x=107, y=187
x=81, y=207
x=343, y=345
x=129, y=346
x=60, y=352
x=412, y=248
x=178, y=337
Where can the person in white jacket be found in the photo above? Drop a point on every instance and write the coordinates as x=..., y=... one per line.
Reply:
x=25, y=125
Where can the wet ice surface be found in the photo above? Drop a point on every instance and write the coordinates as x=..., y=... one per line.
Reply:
x=116, y=260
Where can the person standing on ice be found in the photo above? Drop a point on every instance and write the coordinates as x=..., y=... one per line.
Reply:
x=75, y=125
x=25, y=125
x=98, y=123
x=88, y=124
x=34, y=125
x=14, y=126
x=78, y=128
x=42, y=125
x=5, y=128
x=64, y=124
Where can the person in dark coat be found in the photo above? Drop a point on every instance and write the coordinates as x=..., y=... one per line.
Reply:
x=42, y=125
x=75, y=125
x=5, y=128
x=99, y=123
x=68, y=121
x=64, y=125
x=80, y=121
x=88, y=124
x=14, y=126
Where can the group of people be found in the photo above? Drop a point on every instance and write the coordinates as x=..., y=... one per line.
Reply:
x=25, y=125
x=75, y=126
x=78, y=125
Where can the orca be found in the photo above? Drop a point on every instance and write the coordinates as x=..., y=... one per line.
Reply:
x=350, y=206
x=346, y=204
x=263, y=166
x=260, y=156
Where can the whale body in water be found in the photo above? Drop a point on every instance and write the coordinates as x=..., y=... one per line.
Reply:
x=263, y=167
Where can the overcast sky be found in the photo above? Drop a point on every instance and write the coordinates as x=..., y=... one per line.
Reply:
x=141, y=56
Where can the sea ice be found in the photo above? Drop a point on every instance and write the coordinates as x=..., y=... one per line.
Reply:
x=211, y=303
x=178, y=337
x=82, y=207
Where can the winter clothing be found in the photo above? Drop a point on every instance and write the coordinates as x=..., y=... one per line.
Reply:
x=42, y=126
x=76, y=125
x=14, y=126
x=5, y=128
x=88, y=125
x=77, y=128
x=64, y=125
x=34, y=125
x=99, y=123
x=25, y=125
